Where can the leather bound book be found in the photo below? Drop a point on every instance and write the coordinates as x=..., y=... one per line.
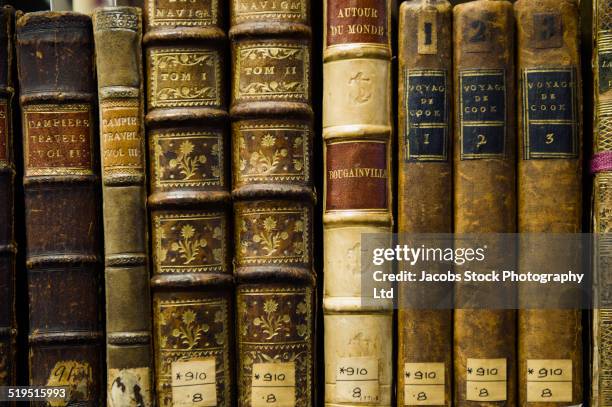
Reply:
x=8, y=246
x=602, y=202
x=357, y=134
x=118, y=36
x=424, y=194
x=549, y=186
x=485, y=192
x=192, y=281
x=61, y=184
x=273, y=192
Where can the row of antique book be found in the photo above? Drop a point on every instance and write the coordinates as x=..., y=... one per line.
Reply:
x=209, y=279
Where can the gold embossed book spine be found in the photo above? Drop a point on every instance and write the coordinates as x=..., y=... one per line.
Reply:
x=602, y=202
x=485, y=193
x=8, y=246
x=118, y=37
x=357, y=137
x=549, y=189
x=424, y=194
x=61, y=184
x=273, y=192
x=189, y=202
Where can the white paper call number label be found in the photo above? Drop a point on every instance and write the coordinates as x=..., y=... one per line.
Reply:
x=549, y=380
x=424, y=384
x=194, y=383
x=486, y=380
x=357, y=380
x=273, y=384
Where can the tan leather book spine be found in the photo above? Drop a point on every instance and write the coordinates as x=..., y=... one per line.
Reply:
x=424, y=193
x=485, y=192
x=189, y=202
x=601, y=393
x=8, y=246
x=357, y=134
x=55, y=62
x=550, y=165
x=129, y=368
x=273, y=192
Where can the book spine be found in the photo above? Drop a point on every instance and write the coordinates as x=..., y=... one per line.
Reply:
x=425, y=116
x=602, y=200
x=273, y=191
x=118, y=36
x=185, y=51
x=550, y=142
x=485, y=193
x=357, y=134
x=8, y=246
x=61, y=184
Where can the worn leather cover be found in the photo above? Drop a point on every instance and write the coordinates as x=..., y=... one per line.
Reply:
x=185, y=49
x=61, y=183
x=601, y=394
x=273, y=191
x=550, y=171
x=424, y=188
x=485, y=199
x=357, y=134
x=129, y=374
x=8, y=246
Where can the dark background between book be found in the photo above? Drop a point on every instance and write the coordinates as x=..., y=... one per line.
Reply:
x=586, y=7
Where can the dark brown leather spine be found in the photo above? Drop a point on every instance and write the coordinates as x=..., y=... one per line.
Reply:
x=8, y=246
x=549, y=183
x=273, y=190
x=185, y=50
x=118, y=38
x=424, y=193
x=485, y=198
x=61, y=183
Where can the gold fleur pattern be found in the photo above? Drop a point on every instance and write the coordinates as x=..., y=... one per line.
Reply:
x=273, y=153
x=272, y=71
x=275, y=325
x=272, y=232
x=191, y=328
x=190, y=242
x=188, y=160
x=184, y=77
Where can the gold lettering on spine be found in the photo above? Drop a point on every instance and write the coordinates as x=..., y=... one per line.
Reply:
x=272, y=71
x=291, y=10
x=184, y=77
x=121, y=139
x=186, y=13
x=58, y=139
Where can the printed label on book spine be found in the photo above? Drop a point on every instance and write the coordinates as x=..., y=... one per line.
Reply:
x=483, y=113
x=273, y=384
x=605, y=69
x=121, y=136
x=58, y=139
x=427, y=35
x=424, y=384
x=427, y=115
x=486, y=380
x=477, y=32
x=194, y=383
x=357, y=380
x=4, y=133
x=182, y=13
x=357, y=175
x=76, y=375
x=548, y=30
x=129, y=387
x=184, y=77
x=254, y=10
x=549, y=380
x=272, y=70
x=549, y=113
x=361, y=21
